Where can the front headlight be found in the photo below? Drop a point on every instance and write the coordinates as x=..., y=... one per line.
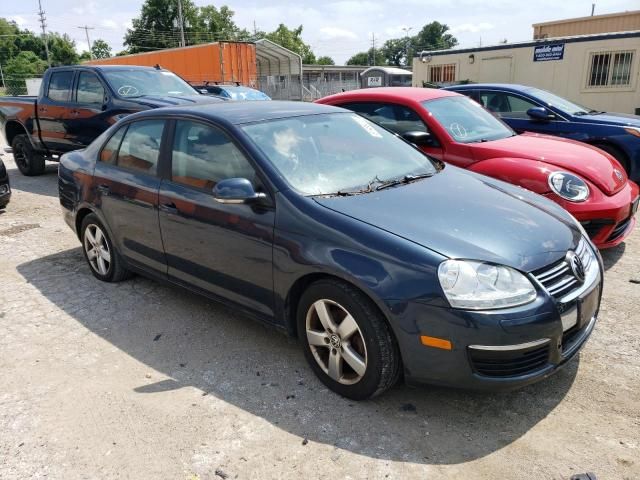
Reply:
x=477, y=285
x=569, y=186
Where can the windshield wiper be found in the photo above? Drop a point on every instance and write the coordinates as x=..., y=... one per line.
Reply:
x=366, y=189
x=403, y=181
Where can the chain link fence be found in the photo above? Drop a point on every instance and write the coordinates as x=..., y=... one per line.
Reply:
x=16, y=85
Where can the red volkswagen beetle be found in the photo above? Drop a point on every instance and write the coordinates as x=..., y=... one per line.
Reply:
x=586, y=181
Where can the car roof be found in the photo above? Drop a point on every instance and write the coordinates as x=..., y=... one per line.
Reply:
x=503, y=86
x=244, y=111
x=391, y=93
x=108, y=67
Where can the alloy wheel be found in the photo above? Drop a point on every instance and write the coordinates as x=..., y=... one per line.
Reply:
x=336, y=342
x=97, y=249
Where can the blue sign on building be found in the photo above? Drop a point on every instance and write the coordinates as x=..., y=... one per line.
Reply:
x=550, y=51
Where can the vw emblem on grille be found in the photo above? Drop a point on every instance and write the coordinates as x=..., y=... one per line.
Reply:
x=618, y=174
x=577, y=267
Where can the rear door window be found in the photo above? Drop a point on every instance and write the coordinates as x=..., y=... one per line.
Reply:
x=397, y=118
x=140, y=147
x=60, y=86
x=109, y=153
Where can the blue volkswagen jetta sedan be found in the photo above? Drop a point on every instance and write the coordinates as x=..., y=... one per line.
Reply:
x=535, y=110
x=384, y=263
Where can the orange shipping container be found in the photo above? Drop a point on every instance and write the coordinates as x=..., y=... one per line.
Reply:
x=218, y=62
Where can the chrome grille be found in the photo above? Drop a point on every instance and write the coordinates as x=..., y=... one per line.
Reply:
x=558, y=278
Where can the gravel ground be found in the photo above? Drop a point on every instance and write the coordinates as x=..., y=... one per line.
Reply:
x=138, y=380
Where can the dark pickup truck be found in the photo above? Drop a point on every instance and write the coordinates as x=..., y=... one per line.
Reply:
x=77, y=103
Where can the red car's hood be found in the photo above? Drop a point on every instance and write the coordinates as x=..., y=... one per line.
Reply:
x=589, y=162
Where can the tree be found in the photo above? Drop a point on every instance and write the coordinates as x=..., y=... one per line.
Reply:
x=366, y=58
x=101, y=49
x=395, y=51
x=84, y=56
x=292, y=39
x=433, y=36
x=62, y=49
x=158, y=26
x=19, y=68
x=217, y=24
x=8, y=48
x=325, y=60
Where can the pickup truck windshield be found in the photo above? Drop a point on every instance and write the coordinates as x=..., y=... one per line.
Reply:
x=138, y=83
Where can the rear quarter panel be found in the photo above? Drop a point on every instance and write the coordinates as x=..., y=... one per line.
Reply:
x=21, y=110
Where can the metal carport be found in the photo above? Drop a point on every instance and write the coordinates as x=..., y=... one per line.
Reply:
x=279, y=71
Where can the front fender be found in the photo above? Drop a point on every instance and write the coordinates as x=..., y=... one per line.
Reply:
x=530, y=174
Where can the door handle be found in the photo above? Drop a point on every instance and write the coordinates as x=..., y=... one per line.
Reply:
x=104, y=190
x=169, y=208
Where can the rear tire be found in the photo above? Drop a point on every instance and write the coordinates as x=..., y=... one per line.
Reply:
x=346, y=340
x=105, y=262
x=616, y=153
x=27, y=160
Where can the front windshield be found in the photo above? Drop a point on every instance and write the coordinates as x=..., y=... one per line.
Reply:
x=137, y=83
x=466, y=121
x=336, y=153
x=558, y=102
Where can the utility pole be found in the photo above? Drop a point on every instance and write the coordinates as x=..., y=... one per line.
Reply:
x=86, y=30
x=593, y=8
x=406, y=31
x=181, y=20
x=43, y=24
x=373, y=49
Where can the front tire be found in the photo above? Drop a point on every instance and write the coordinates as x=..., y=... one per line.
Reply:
x=346, y=340
x=99, y=252
x=27, y=160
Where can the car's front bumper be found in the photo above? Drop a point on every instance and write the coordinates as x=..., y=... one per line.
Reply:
x=499, y=349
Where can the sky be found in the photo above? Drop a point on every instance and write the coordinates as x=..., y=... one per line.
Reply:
x=338, y=29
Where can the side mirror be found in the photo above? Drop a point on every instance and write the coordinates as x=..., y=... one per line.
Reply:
x=540, y=113
x=237, y=191
x=419, y=138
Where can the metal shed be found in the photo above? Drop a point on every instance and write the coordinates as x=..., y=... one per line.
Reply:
x=385, y=77
x=279, y=71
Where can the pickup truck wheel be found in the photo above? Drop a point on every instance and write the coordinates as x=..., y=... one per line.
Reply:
x=28, y=161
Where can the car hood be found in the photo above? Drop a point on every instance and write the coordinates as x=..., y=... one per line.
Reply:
x=158, y=101
x=610, y=118
x=460, y=214
x=588, y=162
